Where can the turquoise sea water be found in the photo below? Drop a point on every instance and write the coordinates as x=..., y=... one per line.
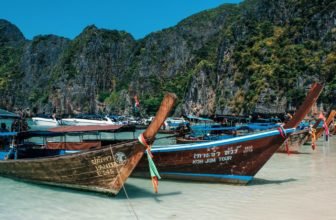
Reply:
x=298, y=186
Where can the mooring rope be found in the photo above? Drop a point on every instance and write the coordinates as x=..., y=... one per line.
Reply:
x=123, y=186
x=283, y=134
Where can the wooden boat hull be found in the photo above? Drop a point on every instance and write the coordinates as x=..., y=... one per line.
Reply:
x=101, y=170
x=295, y=141
x=333, y=129
x=299, y=138
x=329, y=123
x=234, y=160
x=95, y=170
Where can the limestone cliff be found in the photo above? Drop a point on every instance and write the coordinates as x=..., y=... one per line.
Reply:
x=257, y=56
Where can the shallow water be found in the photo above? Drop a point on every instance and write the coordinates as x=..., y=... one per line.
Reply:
x=298, y=186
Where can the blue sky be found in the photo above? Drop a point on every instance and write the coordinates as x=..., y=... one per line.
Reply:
x=68, y=18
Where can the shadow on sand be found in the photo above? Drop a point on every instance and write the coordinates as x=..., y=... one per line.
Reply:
x=137, y=192
x=294, y=153
x=131, y=190
x=258, y=181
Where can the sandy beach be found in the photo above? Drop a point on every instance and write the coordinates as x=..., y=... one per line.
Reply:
x=298, y=186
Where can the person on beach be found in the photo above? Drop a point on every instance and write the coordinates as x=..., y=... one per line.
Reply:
x=20, y=124
x=4, y=141
x=3, y=127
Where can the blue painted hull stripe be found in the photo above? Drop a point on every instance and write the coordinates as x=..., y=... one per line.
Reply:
x=235, y=140
x=220, y=176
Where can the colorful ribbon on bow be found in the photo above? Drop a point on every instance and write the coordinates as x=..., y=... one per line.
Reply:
x=152, y=168
x=325, y=126
x=312, y=132
x=284, y=135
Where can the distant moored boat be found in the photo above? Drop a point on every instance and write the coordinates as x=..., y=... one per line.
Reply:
x=46, y=120
x=87, y=120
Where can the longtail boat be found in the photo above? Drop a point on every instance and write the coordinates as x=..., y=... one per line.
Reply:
x=101, y=170
x=234, y=160
x=297, y=139
x=314, y=133
x=328, y=122
x=219, y=131
x=333, y=128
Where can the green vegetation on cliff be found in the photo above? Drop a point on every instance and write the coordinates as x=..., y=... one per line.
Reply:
x=9, y=66
x=248, y=56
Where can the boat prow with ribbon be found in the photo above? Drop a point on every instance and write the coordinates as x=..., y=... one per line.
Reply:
x=298, y=138
x=101, y=170
x=312, y=134
x=327, y=123
x=234, y=160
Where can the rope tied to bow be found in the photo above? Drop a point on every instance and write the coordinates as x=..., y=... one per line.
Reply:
x=152, y=168
x=284, y=135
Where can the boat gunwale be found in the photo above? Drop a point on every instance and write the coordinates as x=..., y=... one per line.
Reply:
x=219, y=143
x=67, y=156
